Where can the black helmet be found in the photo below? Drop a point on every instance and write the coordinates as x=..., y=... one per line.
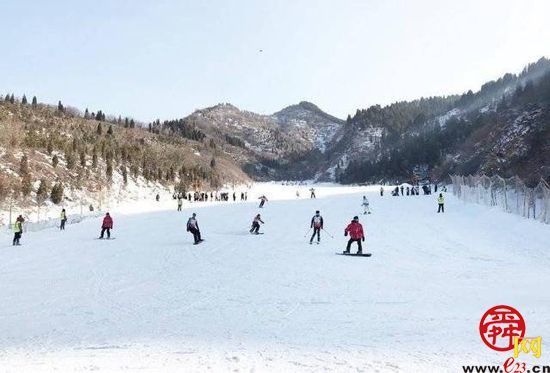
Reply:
x=317, y=211
x=356, y=218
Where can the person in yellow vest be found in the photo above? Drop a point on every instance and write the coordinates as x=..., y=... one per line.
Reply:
x=18, y=230
x=63, y=220
x=440, y=202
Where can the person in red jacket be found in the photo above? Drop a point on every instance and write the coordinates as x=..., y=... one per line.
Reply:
x=355, y=231
x=106, y=226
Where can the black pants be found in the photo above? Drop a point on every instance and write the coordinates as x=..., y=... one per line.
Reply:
x=316, y=231
x=441, y=208
x=103, y=230
x=255, y=228
x=262, y=204
x=179, y=207
x=16, y=238
x=351, y=240
x=312, y=195
x=196, y=234
x=62, y=226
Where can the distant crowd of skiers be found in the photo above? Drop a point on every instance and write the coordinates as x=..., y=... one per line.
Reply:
x=354, y=229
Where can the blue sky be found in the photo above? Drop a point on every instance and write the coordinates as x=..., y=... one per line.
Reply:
x=164, y=59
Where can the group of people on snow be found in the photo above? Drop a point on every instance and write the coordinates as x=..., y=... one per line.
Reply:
x=354, y=229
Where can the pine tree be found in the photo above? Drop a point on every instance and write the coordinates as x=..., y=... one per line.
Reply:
x=55, y=161
x=82, y=158
x=26, y=185
x=42, y=192
x=124, y=175
x=56, y=196
x=86, y=114
x=126, y=122
x=7, y=98
x=34, y=101
x=60, y=106
x=12, y=99
x=99, y=130
x=99, y=115
x=24, y=100
x=24, y=165
x=109, y=171
x=213, y=163
x=69, y=158
x=132, y=123
x=110, y=130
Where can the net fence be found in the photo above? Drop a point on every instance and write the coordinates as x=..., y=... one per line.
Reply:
x=510, y=195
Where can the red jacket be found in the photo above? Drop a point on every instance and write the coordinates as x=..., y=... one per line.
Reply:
x=355, y=230
x=107, y=222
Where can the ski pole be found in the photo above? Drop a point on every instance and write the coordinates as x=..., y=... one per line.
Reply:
x=305, y=235
x=330, y=235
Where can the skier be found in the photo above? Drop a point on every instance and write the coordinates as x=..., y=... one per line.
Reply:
x=365, y=204
x=106, y=226
x=63, y=220
x=193, y=227
x=263, y=199
x=355, y=230
x=157, y=197
x=312, y=190
x=256, y=224
x=440, y=202
x=18, y=230
x=408, y=191
x=402, y=189
x=317, y=225
x=234, y=197
x=180, y=203
x=381, y=191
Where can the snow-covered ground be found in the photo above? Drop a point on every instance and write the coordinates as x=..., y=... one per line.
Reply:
x=150, y=301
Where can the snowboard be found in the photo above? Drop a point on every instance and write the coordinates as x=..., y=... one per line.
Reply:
x=197, y=243
x=112, y=238
x=255, y=234
x=353, y=254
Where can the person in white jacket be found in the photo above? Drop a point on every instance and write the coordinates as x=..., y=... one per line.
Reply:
x=365, y=204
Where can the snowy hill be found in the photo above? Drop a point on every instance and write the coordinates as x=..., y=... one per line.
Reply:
x=150, y=301
x=306, y=120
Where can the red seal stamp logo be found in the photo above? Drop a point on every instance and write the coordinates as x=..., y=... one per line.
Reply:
x=499, y=325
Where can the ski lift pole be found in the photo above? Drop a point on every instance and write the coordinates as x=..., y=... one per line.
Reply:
x=330, y=235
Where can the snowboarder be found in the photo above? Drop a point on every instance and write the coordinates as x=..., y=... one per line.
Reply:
x=193, y=227
x=256, y=224
x=317, y=225
x=263, y=200
x=365, y=204
x=18, y=230
x=312, y=190
x=381, y=191
x=63, y=220
x=355, y=231
x=106, y=226
x=441, y=203
x=180, y=203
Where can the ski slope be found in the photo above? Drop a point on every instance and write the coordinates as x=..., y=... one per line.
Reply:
x=150, y=301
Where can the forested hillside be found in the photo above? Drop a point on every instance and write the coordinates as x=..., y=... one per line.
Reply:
x=49, y=153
